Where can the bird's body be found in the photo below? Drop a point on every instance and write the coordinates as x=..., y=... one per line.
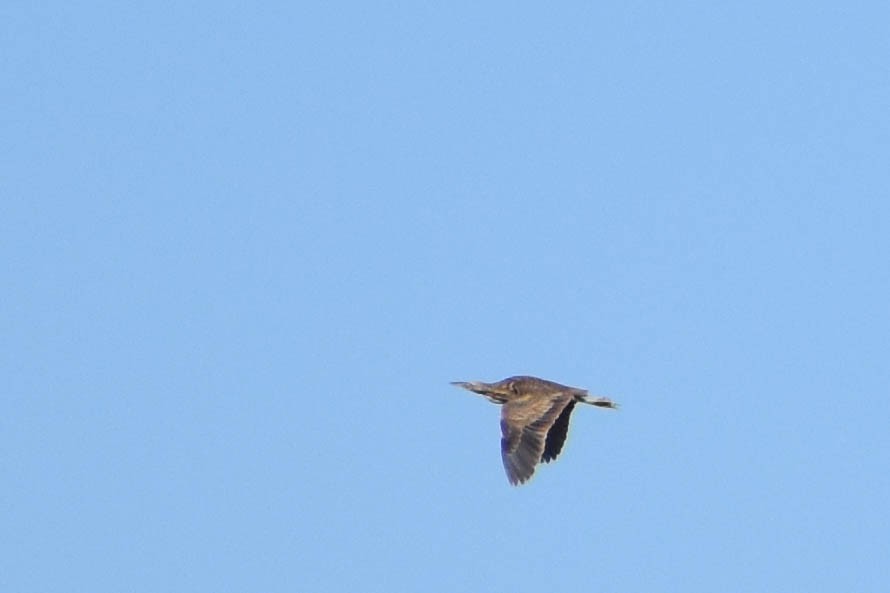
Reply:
x=534, y=419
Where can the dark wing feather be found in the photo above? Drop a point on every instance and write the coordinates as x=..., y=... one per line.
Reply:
x=525, y=422
x=556, y=437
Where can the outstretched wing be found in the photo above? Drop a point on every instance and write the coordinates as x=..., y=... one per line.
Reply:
x=525, y=423
x=556, y=436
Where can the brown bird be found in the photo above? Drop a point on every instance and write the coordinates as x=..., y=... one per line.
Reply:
x=534, y=419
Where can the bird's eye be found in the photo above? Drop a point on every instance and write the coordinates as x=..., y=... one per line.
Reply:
x=513, y=388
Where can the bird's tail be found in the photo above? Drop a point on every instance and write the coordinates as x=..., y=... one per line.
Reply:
x=600, y=402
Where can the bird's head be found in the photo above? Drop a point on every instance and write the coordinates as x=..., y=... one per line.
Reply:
x=498, y=393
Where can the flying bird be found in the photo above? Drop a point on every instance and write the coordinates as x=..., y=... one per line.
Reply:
x=534, y=419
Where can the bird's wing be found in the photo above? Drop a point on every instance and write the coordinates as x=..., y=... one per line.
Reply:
x=556, y=436
x=525, y=422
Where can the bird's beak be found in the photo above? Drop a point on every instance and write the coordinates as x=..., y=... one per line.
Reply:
x=469, y=385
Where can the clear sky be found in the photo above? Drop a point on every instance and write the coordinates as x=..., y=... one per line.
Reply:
x=245, y=247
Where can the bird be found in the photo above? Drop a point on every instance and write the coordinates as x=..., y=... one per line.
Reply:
x=534, y=419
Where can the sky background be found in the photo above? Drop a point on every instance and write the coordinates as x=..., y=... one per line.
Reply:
x=245, y=248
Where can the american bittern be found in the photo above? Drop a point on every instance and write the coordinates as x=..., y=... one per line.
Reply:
x=534, y=419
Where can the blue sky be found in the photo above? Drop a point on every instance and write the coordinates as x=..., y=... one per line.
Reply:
x=246, y=248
